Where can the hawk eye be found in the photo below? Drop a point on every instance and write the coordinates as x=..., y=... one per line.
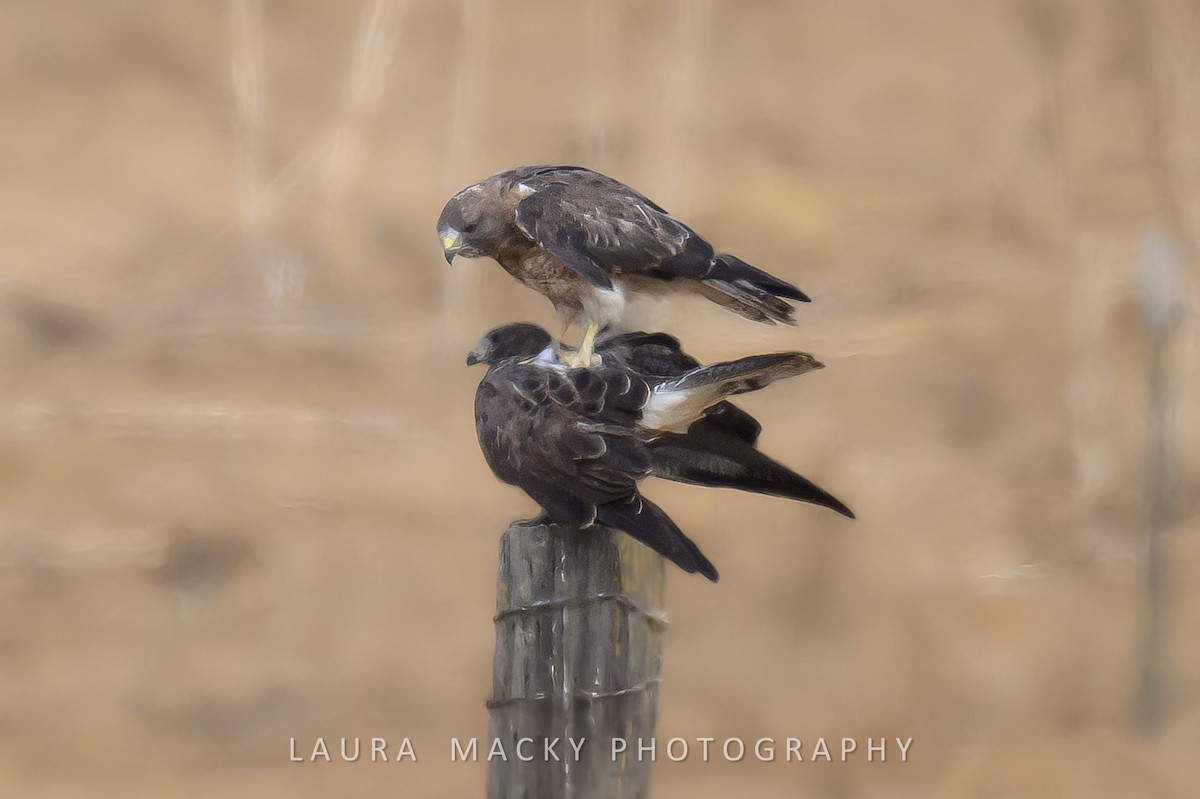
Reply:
x=470, y=227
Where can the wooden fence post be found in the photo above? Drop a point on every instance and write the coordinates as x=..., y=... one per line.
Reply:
x=579, y=624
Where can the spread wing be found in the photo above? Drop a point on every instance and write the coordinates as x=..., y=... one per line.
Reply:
x=718, y=449
x=657, y=357
x=596, y=225
x=568, y=438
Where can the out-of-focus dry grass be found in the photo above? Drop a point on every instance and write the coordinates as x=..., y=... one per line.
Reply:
x=240, y=498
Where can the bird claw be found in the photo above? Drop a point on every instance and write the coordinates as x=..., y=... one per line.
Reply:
x=582, y=357
x=575, y=360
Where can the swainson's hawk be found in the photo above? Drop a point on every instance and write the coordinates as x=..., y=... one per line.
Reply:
x=577, y=441
x=586, y=241
x=718, y=450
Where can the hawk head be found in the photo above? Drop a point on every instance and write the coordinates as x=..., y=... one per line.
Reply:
x=518, y=340
x=471, y=224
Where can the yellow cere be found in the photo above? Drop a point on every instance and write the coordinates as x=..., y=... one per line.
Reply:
x=448, y=242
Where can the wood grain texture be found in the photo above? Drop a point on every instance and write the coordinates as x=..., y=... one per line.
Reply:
x=579, y=624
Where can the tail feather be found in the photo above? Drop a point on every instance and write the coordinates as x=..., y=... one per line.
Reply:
x=648, y=523
x=749, y=302
x=738, y=271
x=750, y=291
x=675, y=404
x=726, y=462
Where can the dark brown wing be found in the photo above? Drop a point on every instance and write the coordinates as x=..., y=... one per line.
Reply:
x=709, y=456
x=568, y=438
x=596, y=225
x=652, y=355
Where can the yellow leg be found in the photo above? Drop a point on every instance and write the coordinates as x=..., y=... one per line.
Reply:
x=587, y=350
x=561, y=350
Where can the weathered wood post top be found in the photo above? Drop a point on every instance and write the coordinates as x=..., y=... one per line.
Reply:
x=579, y=624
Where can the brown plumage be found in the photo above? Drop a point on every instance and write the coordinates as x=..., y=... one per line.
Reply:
x=586, y=241
x=718, y=450
x=578, y=441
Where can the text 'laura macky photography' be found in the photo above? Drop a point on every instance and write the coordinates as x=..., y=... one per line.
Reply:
x=733, y=750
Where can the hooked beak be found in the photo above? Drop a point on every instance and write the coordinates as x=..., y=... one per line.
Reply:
x=476, y=355
x=451, y=244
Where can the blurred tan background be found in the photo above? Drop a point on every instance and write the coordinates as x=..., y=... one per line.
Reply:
x=240, y=496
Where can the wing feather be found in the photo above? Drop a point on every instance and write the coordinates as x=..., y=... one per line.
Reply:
x=551, y=432
x=577, y=451
x=596, y=225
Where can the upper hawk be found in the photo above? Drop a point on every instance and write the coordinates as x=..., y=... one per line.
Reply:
x=586, y=241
